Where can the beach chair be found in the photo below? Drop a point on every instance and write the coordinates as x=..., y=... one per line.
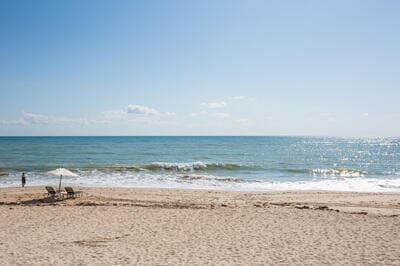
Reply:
x=71, y=193
x=51, y=192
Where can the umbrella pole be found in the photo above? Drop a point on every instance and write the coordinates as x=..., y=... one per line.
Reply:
x=59, y=186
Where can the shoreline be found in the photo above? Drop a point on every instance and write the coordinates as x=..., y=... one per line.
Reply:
x=126, y=226
x=377, y=203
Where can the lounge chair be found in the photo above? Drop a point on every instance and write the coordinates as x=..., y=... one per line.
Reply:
x=51, y=192
x=71, y=193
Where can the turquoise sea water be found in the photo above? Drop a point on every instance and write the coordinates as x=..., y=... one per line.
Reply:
x=232, y=163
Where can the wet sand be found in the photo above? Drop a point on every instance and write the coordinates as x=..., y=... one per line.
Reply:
x=121, y=226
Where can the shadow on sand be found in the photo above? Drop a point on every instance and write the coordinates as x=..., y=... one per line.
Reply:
x=47, y=200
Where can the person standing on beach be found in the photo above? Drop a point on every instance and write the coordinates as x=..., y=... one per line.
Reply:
x=23, y=180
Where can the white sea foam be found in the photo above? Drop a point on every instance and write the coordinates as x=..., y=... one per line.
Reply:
x=206, y=181
x=191, y=166
x=179, y=166
x=339, y=172
x=212, y=177
x=345, y=184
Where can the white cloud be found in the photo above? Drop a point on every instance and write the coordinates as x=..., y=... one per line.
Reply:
x=36, y=119
x=215, y=105
x=11, y=122
x=222, y=115
x=112, y=115
x=326, y=114
x=240, y=97
x=242, y=120
x=133, y=113
x=141, y=110
x=40, y=119
x=132, y=110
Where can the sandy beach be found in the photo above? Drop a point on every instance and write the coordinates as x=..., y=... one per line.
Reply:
x=121, y=226
x=200, y=133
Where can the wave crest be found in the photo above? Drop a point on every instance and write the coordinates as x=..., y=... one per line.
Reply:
x=176, y=166
x=189, y=166
x=119, y=168
x=212, y=177
x=341, y=172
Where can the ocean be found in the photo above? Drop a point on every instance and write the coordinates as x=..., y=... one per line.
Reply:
x=223, y=163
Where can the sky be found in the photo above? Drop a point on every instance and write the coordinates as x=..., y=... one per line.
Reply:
x=319, y=68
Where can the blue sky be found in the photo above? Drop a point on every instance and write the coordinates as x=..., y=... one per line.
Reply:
x=200, y=68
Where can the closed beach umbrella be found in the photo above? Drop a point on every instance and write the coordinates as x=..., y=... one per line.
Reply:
x=61, y=172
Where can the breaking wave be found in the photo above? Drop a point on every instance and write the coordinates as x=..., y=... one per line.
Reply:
x=339, y=172
x=167, y=166
x=190, y=166
x=212, y=177
x=116, y=168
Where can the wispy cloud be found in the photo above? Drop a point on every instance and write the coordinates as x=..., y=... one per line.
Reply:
x=326, y=114
x=11, y=122
x=200, y=113
x=133, y=111
x=141, y=110
x=241, y=97
x=242, y=121
x=111, y=115
x=37, y=119
x=222, y=115
x=170, y=114
x=128, y=113
x=214, y=105
x=28, y=118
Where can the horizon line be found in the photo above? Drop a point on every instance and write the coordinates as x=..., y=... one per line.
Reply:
x=249, y=135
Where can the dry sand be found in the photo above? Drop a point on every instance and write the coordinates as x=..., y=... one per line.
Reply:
x=117, y=226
